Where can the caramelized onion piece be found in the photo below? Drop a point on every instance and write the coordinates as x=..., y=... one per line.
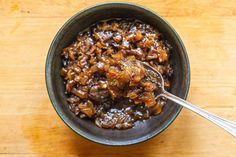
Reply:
x=87, y=108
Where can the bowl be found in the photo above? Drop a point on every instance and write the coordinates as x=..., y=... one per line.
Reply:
x=142, y=131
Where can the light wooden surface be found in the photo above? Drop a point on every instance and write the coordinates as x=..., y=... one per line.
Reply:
x=29, y=126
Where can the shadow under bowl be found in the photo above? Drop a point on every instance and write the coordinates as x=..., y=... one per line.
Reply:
x=142, y=130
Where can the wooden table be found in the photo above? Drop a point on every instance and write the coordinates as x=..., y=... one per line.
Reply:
x=29, y=126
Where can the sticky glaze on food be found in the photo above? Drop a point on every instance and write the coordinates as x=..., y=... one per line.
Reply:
x=105, y=83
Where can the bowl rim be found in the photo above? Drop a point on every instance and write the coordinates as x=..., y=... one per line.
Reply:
x=66, y=120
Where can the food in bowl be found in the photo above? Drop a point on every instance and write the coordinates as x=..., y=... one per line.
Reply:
x=103, y=80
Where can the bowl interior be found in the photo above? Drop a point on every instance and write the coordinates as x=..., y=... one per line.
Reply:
x=142, y=130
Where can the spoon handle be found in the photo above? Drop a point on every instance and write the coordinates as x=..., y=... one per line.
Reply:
x=223, y=123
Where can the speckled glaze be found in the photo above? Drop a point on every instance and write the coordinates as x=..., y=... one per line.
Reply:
x=86, y=128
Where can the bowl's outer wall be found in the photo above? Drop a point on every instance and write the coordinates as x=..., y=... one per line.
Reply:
x=142, y=130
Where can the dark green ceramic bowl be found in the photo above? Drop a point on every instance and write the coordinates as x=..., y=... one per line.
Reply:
x=142, y=130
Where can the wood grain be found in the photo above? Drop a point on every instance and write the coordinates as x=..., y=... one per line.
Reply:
x=29, y=126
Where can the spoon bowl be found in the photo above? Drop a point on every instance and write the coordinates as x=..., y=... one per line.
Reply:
x=160, y=85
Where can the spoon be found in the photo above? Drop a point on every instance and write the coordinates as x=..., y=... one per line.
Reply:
x=229, y=126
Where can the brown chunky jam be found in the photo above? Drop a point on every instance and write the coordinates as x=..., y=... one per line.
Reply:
x=103, y=78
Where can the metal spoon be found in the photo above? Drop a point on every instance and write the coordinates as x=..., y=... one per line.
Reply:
x=223, y=123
